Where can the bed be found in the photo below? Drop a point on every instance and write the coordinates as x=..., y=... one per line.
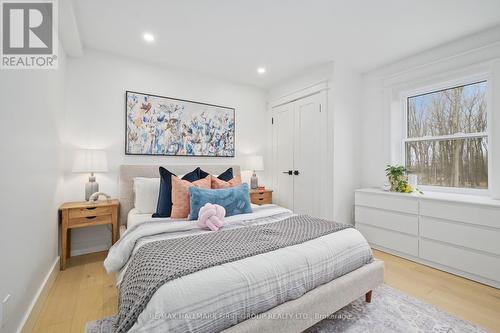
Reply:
x=285, y=290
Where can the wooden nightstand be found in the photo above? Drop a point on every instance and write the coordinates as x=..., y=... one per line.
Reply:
x=86, y=214
x=261, y=197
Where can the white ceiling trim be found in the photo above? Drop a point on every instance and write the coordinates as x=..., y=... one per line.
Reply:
x=476, y=43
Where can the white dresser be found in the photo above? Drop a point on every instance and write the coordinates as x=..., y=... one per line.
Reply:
x=459, y=234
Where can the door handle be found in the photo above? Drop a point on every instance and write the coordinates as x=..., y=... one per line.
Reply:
x=296, y=172
x=290, y=172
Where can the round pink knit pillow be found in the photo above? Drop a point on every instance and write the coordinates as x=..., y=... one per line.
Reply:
x=211, y=217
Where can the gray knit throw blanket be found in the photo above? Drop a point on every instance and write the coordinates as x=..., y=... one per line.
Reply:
x=158, y=262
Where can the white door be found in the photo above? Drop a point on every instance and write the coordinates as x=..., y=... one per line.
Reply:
x=309, y=155
x=283, y=127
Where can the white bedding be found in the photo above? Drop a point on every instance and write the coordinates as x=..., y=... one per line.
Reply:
x=146, y=194
x=135, y=217
x=193, y=302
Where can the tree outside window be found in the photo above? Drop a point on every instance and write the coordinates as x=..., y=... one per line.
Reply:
x=447, y=142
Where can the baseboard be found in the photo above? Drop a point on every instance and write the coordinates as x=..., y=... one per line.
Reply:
x=28, y=323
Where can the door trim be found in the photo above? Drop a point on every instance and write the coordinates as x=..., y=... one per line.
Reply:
x=300, y=93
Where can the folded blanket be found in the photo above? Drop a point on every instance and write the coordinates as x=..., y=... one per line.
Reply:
x=158, y=262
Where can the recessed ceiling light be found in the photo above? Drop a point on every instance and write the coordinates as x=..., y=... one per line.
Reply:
x=148, y=37
x=261, y=70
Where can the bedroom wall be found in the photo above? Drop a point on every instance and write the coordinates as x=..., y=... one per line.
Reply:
x=95, y=106
x=467, y=56
x=346, y=152
x=343, y=139
x=31, y=142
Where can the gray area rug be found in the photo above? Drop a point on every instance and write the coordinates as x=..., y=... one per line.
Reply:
x=391, y=311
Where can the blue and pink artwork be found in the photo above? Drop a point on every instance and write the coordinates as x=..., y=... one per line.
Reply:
x=159, y=125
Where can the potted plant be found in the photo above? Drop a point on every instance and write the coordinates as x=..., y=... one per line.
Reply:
x=398, y=179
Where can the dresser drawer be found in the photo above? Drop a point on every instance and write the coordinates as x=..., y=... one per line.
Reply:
x=390, y=239
x=468, y=261
x=89, y=220
x=89, y=211
x=261, y=198
x=402, y=222
x=459, y=234
x=387, y=201
x=468, y=213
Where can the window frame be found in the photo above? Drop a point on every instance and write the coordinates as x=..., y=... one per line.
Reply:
x=436, y=87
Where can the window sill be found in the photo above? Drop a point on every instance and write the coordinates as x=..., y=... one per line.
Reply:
x=440, y=196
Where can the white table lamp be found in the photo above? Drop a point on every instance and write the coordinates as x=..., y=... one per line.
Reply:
x=90, y=161
x=255, y=163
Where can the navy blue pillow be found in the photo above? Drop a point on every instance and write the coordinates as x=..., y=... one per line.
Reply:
x=225, y=176
x=236, y=200
x=164, y=206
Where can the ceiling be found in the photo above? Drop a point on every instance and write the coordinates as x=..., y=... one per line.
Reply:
x=231, y=38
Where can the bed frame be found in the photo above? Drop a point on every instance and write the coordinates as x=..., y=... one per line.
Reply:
x=292, y=316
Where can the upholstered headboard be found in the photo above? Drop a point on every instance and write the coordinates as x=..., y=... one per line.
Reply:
x=128, y=172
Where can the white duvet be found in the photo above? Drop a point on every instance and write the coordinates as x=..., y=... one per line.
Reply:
x=196, y=301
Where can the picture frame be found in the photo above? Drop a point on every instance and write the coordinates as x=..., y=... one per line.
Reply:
x=165, y=126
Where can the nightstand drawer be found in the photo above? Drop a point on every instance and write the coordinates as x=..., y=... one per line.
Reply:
x=89, y=220
x=261, y=198
x=89, y=211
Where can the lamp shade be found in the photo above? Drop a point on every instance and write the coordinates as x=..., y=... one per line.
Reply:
x=255, y=162
x=90, y=160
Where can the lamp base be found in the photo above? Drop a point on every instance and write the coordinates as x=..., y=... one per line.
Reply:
x=254, y=181
x=91, y=187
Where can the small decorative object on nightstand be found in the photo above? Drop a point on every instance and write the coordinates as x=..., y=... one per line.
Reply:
x=261, y=197
x=86, y=214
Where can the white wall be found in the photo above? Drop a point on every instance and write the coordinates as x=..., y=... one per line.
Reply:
x=346, y=152
x=343, y=117
x=95, y=106
x=31, y=169
x=381, y=119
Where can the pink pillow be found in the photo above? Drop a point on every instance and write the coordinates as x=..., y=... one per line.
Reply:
x=218, y=183
x=211, y=216
x=180, y=195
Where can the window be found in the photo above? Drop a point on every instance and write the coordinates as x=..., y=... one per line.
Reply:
x=446, y=140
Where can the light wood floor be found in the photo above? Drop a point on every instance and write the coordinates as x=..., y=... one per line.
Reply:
x=81, y=293
x=84, y=292
x=464, y=298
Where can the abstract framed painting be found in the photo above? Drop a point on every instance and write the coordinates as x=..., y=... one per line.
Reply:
x=165, y=126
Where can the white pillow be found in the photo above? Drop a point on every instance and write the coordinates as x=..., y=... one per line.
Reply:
x=146, y=194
